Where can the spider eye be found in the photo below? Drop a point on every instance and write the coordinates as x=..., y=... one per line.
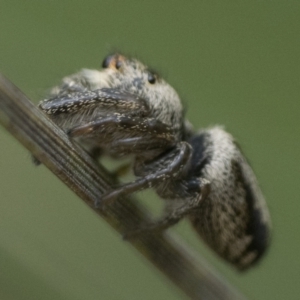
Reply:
x=107, y=60
x=151, y=78
x=112, y=61
x=118, y=64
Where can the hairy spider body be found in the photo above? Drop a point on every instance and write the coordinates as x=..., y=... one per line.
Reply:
x=234, y=218
x=124, y=109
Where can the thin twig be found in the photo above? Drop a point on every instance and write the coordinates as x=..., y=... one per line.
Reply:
x=50, y=145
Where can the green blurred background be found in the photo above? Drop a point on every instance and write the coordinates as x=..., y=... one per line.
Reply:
x=235, y=64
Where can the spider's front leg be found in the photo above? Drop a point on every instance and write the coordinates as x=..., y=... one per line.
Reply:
x=177, y=159
x=109, y=98
x=147, y=133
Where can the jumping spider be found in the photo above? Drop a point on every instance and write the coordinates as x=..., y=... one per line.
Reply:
x=125, y=109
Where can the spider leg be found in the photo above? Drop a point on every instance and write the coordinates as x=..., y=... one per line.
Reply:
x=174, y=167
x=141, y=143
x=121, y=121
x=103, y=98
x=175, y=215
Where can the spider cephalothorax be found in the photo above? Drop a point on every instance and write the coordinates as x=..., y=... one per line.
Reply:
x=126, y=109
x=121, y=106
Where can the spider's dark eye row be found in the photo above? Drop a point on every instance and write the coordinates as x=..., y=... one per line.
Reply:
x=112, y=61
x=118, y=64
x=151, y=78
x=106, y=61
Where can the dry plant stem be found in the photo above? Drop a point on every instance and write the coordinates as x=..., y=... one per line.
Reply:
x=50, y=145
